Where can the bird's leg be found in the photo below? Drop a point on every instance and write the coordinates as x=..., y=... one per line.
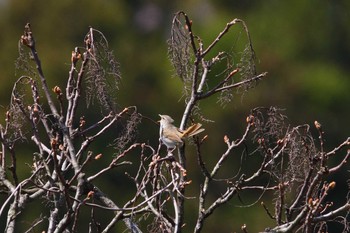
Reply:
x=170, y=151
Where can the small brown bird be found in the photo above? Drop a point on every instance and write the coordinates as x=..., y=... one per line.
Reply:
x=171, y=136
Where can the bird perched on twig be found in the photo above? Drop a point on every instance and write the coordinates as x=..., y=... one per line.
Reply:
x=171, y=136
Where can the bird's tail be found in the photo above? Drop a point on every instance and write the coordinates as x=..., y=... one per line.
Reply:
x=193, y=130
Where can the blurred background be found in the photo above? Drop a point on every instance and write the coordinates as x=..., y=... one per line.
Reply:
x=303, y=45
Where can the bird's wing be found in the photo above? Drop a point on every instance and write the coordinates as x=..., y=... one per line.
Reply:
x=174, y=135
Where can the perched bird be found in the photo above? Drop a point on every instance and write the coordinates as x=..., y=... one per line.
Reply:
x=171, y=136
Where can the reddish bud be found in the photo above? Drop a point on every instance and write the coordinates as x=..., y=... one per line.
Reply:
x=90, y=194
x=53, y=143
x=98, y=156
x=331, y=185
x=280, y=142
x=261, y=140
x=226, y=139
x=317, y=125
x=250, y=119
x=82, y=122
x=76, y=55
x=57, y=90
